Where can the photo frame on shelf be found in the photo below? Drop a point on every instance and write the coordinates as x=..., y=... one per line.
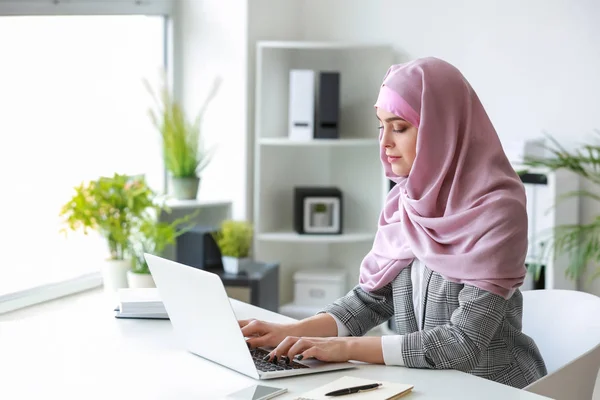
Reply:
x=318, y=210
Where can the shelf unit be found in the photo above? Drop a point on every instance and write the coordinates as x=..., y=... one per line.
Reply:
x=350, y=163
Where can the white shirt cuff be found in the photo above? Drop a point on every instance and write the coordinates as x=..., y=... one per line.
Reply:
x=341, y=328
x=391, y=345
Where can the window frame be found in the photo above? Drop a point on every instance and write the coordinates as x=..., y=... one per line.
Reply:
x=86, y=7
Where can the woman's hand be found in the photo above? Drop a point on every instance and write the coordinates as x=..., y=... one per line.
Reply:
x=270, y=334
x=311, y=338
x=264, y=334
x=330, y=349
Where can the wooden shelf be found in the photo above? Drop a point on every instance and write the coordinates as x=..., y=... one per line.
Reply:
x=290, y=236
x=318, y=142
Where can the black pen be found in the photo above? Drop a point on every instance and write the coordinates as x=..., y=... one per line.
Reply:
x=354, y=389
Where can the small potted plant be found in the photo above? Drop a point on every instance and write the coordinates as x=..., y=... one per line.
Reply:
x=235, y=241
x=111, y=206
x=153, y=237
x=184, y=154
x=320, y=215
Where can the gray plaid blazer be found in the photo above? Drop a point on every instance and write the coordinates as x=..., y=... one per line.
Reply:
x=464, y=327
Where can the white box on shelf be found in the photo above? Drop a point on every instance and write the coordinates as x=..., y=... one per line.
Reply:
x=318, y=287
x=302, y=104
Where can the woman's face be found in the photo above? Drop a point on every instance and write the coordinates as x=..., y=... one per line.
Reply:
x=398, y=138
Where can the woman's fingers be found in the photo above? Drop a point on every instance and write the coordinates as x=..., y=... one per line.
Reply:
x=289, y=347
x=312, y=352
x=253, y=328
x=243, y=322
x=299, y=347
x=281, y=349
x=261, y=333
x=260, y=341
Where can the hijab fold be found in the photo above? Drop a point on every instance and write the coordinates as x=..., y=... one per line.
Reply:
x=462, y=209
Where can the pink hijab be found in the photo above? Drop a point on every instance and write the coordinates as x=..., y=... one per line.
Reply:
x=462, y=209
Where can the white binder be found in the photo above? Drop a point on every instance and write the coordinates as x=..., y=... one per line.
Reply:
x=302, y=104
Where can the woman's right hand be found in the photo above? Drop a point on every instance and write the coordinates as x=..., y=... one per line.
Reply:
x=263, y=333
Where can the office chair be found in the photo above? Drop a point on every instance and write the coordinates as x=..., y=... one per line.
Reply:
x=565, y=325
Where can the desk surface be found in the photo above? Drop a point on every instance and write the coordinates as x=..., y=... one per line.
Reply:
x=80, y=351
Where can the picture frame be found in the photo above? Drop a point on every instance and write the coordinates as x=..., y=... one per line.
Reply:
x=318, y=210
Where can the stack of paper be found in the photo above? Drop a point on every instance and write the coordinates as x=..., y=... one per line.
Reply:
x=140, y=303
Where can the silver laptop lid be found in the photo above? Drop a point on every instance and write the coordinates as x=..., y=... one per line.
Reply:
x=201, y=314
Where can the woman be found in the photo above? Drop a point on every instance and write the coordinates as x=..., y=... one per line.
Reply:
x=449, y=254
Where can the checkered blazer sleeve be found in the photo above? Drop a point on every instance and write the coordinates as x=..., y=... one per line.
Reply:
x=459, y=343
x=361, y=311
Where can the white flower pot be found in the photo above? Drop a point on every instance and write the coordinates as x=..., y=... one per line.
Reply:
x=321, y=220
x=114, y=274
x=185, y=188
x=136, y=280
x=233, y=265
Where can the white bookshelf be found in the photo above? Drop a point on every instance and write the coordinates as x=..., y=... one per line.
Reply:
x=350, y=163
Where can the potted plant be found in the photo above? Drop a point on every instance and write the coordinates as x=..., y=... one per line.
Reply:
x=320, y=215
x=153, y=237
x=111, y=206
x=183, y=149
x=235, y=240
x=581, y=242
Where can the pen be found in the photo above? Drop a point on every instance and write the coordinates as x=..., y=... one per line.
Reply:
x=354, y=389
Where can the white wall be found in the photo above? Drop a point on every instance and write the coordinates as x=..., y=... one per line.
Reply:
x=534, y=63
x=267, y=20
x=210, y=42
x=218, y=38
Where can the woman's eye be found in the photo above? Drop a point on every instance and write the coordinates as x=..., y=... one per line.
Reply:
x=380, y=127
x=401, y=130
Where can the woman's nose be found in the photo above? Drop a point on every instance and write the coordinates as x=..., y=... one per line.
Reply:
x=385, y=140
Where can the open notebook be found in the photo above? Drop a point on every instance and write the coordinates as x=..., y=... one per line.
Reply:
x=387, y=391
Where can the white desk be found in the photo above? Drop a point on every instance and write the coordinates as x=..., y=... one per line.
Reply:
x=80, y=351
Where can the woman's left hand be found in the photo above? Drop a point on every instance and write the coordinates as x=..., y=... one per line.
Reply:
x=330, y=349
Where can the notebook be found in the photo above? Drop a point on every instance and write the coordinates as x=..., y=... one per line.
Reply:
x=387, y=391
x=140, y=303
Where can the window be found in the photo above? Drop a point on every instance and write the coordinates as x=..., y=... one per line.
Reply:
x=74, y=108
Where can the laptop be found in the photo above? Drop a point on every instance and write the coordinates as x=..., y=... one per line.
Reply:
x=204, y=320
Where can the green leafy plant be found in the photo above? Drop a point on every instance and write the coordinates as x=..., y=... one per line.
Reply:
x=235, y=238
x=112, y=206
x=183, y=149
x=153, y=237
x=320, y=208
x=581, y=242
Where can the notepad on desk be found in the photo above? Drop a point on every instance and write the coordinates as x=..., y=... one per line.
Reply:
x=387, y=390
x=140, y=303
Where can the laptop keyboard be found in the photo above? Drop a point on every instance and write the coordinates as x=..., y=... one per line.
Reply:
x=267, y=366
